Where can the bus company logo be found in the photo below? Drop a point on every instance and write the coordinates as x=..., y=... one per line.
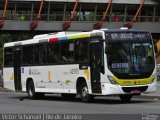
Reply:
x=74, y=71
x=34, y=72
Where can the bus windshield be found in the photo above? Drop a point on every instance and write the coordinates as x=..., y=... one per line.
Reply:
x=130, y=60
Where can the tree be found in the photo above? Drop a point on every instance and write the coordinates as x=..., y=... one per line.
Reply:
x=12, y=37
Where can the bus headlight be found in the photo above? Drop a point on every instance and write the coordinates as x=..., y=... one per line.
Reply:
x=111, y=79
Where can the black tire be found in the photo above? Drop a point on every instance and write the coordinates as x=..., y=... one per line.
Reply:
x=68, y=96
x=85, y=96
x=125, y=98
x=31, y=91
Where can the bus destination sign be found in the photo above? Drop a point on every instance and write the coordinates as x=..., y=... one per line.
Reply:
x=129, y=36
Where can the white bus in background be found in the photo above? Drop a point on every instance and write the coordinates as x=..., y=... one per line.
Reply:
x=97, y=63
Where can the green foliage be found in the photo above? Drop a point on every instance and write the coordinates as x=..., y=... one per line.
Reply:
x=3, y=38
x=11, y=37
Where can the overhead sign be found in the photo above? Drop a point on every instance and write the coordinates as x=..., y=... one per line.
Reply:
x=127, y=36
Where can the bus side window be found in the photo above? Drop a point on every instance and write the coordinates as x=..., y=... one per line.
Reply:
x=37, y=56
x=8, y=59
x=53, y=53
x=41, y=54
x=67, y=51
x=44, y=53
x=82, y=50
x=28, y=55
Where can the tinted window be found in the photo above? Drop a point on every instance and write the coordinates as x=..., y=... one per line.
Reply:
x=67, y=51
x=8, y=59
x=82, y=50
x=40, y=54
x=131, y=59
x=28, y=55
x=53, y=53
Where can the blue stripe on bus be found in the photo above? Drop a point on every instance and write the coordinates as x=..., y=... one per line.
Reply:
x=62, y=38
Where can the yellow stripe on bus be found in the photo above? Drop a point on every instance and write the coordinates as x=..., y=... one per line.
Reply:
x=78, y=36
x=127, y=82
x=49, y=75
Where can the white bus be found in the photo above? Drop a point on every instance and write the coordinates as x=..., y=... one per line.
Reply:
x=97, y=63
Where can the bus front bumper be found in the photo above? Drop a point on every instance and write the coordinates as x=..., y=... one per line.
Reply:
x=111, y=89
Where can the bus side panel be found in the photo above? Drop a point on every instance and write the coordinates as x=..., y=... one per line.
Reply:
x=70, y=75
x=67, y=75
x=52, y=79
x=46, y=79
x=60, y=78
x=55, y=79
x=8, y=78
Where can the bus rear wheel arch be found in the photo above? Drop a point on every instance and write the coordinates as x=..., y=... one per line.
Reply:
x=31, y=90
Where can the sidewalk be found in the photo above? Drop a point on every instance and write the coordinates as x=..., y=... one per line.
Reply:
x=5, y=90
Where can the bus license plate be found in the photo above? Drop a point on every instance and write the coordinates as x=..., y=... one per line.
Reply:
x=135, y=92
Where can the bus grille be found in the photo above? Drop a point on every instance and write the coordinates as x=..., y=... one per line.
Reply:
x=129, y=89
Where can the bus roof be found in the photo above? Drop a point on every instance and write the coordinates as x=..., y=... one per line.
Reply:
x=61, y=36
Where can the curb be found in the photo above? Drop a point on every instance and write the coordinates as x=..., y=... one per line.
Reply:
x=5, y=90
x=147, y=97
x=140, y=96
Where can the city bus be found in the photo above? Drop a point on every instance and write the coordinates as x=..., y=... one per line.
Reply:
x=102, y=62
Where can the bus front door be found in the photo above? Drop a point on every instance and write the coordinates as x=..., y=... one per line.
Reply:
x=95, y=63
x=17, y=69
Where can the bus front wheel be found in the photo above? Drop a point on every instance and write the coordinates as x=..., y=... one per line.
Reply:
x=125, y=98
x=85, y=96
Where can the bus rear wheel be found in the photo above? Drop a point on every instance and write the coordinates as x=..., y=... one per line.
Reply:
x=125, y=98
x=85, y=96
x=31, y=91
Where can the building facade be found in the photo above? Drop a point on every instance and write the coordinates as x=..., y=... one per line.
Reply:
x=20, y=13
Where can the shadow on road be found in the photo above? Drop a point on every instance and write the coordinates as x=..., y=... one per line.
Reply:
x=98, y=100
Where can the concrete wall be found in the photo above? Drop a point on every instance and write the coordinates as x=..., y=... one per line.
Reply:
x=100, y=1
x=153, y=27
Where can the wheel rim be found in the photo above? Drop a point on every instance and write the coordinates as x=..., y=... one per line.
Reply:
x=31, y=90
x=84, y=92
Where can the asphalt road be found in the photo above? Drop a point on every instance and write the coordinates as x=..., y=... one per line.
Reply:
x=12, y=103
